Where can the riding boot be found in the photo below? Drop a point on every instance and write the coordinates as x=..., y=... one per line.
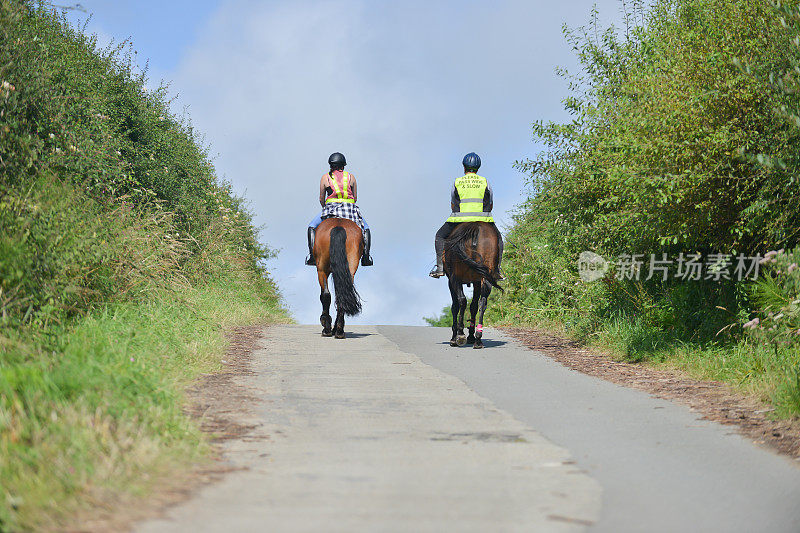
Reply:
x=366, y=260
x=438, y=270
x=310, y=260
x=500, y=246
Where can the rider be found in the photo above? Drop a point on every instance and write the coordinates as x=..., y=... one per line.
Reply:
x=337, y=196
x=469, y=191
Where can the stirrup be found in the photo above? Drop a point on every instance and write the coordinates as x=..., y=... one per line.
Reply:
x=436, y=272
x=366, y=261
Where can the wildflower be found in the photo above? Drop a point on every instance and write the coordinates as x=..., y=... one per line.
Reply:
x=768, y=257
x=52, y=136
x=791, y=268
x=161, y=119
x=751, y=324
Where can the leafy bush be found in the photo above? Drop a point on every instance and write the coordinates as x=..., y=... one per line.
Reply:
x=444, y=320
x=655, y=156
x=95, y=165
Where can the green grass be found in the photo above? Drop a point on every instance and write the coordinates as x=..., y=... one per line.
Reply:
x=100, y=412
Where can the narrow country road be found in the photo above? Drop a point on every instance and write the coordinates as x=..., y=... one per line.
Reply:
x=393, y=430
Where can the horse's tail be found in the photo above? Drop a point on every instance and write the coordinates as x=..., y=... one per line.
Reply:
x=457, y=244
x=347, y=299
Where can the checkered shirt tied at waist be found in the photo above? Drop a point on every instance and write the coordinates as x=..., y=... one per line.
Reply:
x=343, y=210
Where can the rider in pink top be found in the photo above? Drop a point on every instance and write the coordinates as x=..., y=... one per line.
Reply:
x=327, y=187
x=338, y=192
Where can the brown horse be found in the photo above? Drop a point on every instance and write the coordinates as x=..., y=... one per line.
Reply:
x=471, y=257
x=337, y=249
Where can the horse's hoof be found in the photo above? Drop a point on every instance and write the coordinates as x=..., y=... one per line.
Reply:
x=461, y=340
x=327, y=333
x=453, y=343
x=478, y=345
x=339, y=335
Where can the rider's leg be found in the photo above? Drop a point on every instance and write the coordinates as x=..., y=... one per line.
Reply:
x=441, y=235
x=311, y=234
x=499, y=252
x=366, y=260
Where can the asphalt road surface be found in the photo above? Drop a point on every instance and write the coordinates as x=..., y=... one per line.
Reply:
x=394, y=430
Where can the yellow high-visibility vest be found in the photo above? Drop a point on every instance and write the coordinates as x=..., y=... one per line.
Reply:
x=341, y=196
x=471, y=189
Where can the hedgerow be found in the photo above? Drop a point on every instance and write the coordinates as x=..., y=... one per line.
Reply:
x=122, y=254
x=682, y=141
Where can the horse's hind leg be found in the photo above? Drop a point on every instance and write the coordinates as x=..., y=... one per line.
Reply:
x=462, y=308
x=473, y=310
x=338, y=326
x=325, y=299
x=486, y=290
x=454, y=311
x=459, y=305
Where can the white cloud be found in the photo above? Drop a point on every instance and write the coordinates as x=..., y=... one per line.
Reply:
x=403, y=90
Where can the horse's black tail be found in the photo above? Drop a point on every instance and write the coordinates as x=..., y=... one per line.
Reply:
x=456, y=243
x=347, y=299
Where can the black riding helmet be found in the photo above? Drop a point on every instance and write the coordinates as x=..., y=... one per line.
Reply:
x=337, y=161
x=471, y=161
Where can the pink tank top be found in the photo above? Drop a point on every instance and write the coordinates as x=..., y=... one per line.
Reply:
x=338, y=176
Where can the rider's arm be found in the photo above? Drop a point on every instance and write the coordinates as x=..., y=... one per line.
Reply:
x=323, y=183
x=355, y=188
x=455, y=200
x=488, y=199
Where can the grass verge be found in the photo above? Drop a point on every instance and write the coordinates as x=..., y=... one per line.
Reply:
x=92, y=413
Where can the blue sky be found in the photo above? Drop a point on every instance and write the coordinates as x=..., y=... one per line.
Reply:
x=403, y=89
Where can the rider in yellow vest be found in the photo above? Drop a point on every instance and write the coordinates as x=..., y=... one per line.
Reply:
x=471, y=200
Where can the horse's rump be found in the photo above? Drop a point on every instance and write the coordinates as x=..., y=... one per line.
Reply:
x=337, y=249
x=471, y=253
x=355, y=241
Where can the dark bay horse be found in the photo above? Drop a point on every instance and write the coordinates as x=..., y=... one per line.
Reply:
x=471, y=257
x=337, y=249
